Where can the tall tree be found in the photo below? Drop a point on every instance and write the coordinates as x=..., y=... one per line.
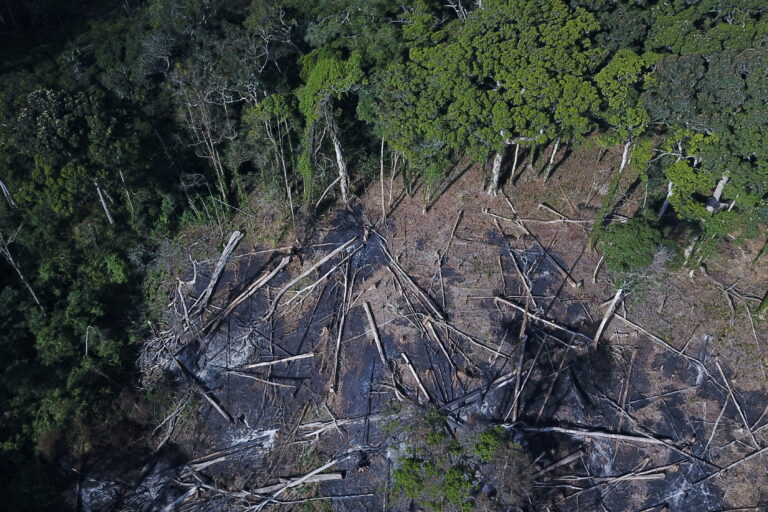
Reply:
x=328, y=77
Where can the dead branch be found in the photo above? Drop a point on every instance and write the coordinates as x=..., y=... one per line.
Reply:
x=669, y=347
x=423, y=297
x=259, y=379
x=206, y=394
x=181, y=499
x=736, y=403
x=7, y=194
x=247, y=293
x=328, y=189
x=597, y=268
x=304, y=274
x=543, y=321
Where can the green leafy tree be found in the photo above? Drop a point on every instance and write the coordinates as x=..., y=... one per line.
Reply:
x=327, y=77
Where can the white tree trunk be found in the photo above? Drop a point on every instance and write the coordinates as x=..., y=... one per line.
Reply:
x=551, y=163
x=7, y=194
x=514, y=162
x=625, y=155
x=717, y=194
x=665, y=204
x=104, y=203
x=127, y=194
x=381, y=179
x=493, y=188
x=341, y=164
x=9, y=258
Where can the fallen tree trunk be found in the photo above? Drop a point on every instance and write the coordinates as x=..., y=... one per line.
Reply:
x=104, y=203
x=234, y=239
x=543, y=321
x=252, y=289
x=281, y=292
x=607, y=316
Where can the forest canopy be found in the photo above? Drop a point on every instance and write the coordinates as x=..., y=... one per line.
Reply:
x=123, y=122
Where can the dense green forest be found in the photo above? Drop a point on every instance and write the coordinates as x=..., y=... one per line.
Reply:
x=121, y=122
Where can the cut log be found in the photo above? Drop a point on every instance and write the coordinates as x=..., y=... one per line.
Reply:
x=514, y=162
x=714, y=203
x=322, y=477
x=472, y=396
x=551, y=163
x=340, y=333
x=293, y=483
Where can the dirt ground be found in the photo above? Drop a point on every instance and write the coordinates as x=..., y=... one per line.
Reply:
x=475, y=301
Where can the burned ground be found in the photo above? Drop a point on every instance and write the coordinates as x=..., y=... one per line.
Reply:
x=483, y=307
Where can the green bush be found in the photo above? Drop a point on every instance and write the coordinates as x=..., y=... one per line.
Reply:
x=489, y=442
x=434, y=485
x=631, y=245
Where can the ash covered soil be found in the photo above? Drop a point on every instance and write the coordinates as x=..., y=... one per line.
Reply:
x=290, y=386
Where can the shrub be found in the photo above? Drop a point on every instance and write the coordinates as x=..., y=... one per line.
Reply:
x=631, y=245
x=489, y=442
